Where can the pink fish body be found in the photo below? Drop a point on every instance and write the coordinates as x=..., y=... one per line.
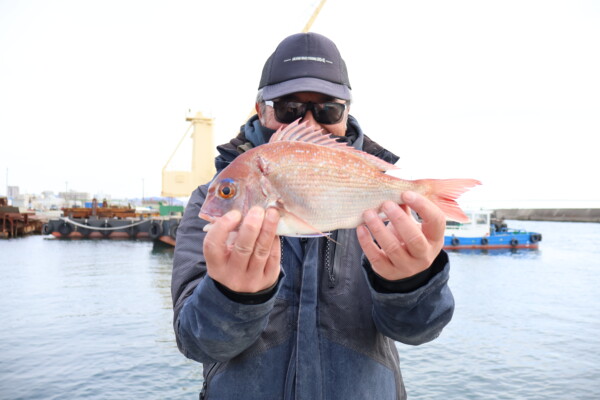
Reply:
x=318, y=184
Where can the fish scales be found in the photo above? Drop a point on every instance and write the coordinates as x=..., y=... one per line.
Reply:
x=317, y=175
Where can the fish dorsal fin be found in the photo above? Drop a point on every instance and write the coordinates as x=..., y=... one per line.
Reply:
x=302, y=132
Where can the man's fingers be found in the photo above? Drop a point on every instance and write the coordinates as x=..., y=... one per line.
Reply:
x=249, y=230
x=215, y=242
x=433, y=220
x=391, y=246
x=273, y=265
x=264, y=242
x=373, y=253
x=407, y=232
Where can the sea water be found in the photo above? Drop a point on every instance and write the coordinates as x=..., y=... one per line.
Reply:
x=92, y=319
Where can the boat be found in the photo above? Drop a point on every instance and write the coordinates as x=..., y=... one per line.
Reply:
x=104, y=222
x=485, y=232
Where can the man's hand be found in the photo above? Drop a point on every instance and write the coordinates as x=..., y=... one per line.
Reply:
x=252, y=262
x=405, y=246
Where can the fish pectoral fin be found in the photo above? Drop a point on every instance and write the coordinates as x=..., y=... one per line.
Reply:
x=314, y=235
x=294, y=226
x=270, y=193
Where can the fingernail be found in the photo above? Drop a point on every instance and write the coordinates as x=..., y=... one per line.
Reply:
x=369, y=215
x=409, y=197
x=359, y=230
x=233, y=215
x=256, y=212
x=271, y=214
x=388, y=207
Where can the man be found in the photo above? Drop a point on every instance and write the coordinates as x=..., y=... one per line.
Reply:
x=307, y=318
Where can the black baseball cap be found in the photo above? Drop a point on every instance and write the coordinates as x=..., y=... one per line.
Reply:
x=305, y=62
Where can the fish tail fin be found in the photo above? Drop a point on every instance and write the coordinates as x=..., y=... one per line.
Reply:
x=444, y=192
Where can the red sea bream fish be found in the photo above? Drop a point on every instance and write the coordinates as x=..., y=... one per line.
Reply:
x=318, y=184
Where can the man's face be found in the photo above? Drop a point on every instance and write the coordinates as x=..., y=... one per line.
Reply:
x=339, y=129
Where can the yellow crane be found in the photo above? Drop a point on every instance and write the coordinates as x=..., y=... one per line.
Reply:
x=182, y=183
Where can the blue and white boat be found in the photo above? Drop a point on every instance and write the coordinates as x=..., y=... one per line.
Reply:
x=483, y=232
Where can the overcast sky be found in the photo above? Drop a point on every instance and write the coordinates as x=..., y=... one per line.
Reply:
x=94, y=94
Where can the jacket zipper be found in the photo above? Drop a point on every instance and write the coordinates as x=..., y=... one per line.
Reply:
x=329, y=260
x=205, y=383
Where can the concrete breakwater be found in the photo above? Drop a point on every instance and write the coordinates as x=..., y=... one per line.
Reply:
x=550, y=214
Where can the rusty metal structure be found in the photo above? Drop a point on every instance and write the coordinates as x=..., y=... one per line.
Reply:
x=103, y=211
x=14, y=223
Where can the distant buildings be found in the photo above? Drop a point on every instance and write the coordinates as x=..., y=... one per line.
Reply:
x=42, y=202
x=49, y=201
x=12, y=192
x=75, y=198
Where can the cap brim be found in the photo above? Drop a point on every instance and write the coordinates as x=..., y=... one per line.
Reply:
x=277, y=90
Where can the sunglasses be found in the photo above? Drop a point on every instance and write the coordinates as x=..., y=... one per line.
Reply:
x=327, y=113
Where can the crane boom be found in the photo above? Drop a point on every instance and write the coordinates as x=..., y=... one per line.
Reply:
x=313, y=16
x=181, y=183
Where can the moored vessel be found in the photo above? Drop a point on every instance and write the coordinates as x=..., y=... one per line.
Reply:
x=115, y=223
x=484, y=232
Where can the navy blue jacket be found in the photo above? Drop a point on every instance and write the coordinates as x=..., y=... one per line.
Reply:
x=326, y=331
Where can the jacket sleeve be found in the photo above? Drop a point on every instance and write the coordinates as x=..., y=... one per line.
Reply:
x=209, y=326
x=417, y=316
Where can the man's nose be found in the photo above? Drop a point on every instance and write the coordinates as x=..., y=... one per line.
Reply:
x=308, y=116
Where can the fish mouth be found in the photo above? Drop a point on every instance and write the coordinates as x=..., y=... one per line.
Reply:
x=207, y=217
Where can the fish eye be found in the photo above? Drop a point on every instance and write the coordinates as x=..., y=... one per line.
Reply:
x=226, y=189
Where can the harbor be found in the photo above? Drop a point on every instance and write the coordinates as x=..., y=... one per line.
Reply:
x=94, y=221
x=79, y=215
x=112, y=116
x=92, y=319
x=485, y=230
x=97, y=279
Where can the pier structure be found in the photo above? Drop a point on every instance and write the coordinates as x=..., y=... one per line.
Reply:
x=550, y=214
x=14, y=223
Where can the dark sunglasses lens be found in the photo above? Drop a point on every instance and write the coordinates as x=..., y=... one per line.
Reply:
x=324, y=113
x=289, y=111
x=328, y=113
